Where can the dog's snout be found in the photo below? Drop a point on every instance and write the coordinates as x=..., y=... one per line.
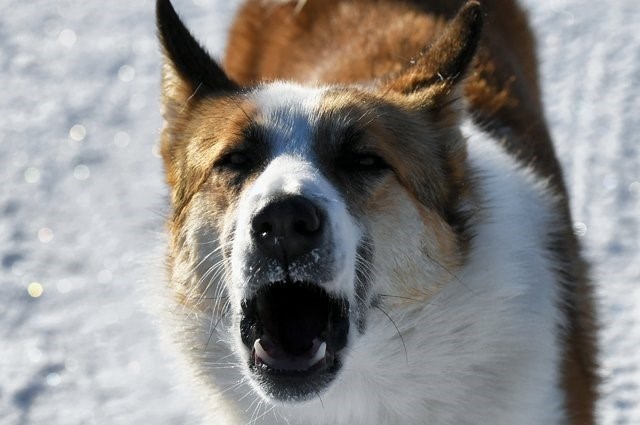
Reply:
x=288, y=228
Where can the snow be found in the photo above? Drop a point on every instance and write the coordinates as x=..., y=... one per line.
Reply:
x=82, y=199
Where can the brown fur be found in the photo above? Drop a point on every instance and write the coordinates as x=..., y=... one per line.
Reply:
x=436, y=179
x=192, y=141
x=331, y=41
x=440, y=244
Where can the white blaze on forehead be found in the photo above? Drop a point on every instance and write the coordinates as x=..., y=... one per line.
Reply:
x=290, y=174
x=288, y=112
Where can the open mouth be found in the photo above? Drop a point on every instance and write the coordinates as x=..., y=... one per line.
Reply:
x=295, y=331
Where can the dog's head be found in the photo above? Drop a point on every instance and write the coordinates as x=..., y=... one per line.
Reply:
x=298, y=212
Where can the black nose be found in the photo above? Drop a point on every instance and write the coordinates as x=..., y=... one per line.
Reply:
x=288, y=228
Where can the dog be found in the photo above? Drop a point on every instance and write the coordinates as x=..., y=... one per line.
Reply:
x=368, y=221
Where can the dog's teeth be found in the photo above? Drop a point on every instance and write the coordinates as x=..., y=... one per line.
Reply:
x=322, y=350
x=262, y=353
x=300, y=364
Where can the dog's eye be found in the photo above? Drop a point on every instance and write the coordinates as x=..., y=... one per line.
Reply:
x=235, y=160
x=364, y=162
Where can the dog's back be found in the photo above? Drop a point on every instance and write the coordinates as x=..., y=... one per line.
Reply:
x=356, y=41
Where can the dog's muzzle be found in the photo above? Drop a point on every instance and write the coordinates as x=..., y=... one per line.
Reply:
x=292, y=325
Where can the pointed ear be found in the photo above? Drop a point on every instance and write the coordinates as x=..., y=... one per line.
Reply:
x=435, y=73
x=188, y=71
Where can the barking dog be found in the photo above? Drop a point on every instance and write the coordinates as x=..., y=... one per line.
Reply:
x=369, y=224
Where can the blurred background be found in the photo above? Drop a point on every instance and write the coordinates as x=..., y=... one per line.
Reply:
x=82, y=198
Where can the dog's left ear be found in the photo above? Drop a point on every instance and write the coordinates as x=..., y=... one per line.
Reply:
x=189, y=72
x=435, y=73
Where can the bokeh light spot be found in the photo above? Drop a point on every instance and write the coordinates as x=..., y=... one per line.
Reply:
x=126, y=73
x=121, y=139
x=32, y=175
x=81, y=172
x=580, y=229
x=34, y=354
x=45, y=235
x=35, y=290
x=67, y=37
x=53, y=379
x=137, y=101
x=78, y=132
x=63, y=286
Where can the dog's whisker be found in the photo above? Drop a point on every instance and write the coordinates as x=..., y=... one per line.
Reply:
x=223, y=367
x=205, y=258
x=319, y=398
x=400, y=297
x=404, y=346
x=247, y=394
x=234, y=386
x=212, y=329
x=220, y=298
x=220, y=363
x=215, y=271
x=446, y=269
x=254, y=415
x=201, y=279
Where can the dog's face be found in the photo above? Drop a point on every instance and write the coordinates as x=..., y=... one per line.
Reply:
x=305, y=209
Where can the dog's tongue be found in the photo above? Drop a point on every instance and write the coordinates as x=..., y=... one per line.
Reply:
x=270, y=355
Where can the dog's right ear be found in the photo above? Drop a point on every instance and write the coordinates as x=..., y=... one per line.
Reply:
x=189, y=72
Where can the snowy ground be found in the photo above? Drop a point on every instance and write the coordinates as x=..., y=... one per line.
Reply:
x=82, y=198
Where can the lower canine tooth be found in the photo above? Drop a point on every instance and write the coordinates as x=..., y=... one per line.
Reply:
x=319, y=355
x=261, y=352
